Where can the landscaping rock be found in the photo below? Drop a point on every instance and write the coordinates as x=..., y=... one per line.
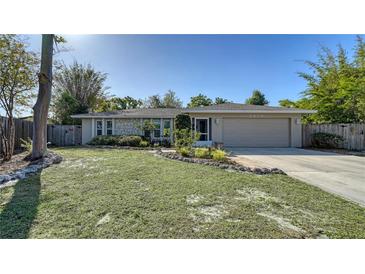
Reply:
x=50, y=159
x=232, y=166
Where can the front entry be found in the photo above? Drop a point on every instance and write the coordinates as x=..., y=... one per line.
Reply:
x=201, y=126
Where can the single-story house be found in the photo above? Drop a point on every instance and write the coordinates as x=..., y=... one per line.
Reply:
x=230, y=124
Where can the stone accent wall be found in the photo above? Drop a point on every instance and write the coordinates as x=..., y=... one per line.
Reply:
x=127, y=127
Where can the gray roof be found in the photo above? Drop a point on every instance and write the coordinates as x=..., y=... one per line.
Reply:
x=134, y=113
x=245, y=108
x=172, y=112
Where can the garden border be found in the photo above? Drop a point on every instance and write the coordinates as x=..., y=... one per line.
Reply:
x=223, y=165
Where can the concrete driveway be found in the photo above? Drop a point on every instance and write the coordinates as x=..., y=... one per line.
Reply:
x=343, y=175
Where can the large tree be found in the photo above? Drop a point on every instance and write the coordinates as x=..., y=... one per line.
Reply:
x=82, y=83
x=335, y=86
x=17, y=80
x=199, y=101
x=41, y=107
x=117, y=103
x=169, y=100
x=257, y=98
x=219, y=100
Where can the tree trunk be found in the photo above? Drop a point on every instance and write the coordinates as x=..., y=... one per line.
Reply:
x=8, y=139
x=41, y=107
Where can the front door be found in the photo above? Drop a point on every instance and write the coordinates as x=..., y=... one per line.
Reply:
x=201, y=125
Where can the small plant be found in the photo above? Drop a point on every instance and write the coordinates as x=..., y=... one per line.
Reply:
x=202, y=153
x=326, y=140
x=184, y=151
x=105, y=141
x=26, y=144
x=144, y=143
x=218, y=155
x=185, y=138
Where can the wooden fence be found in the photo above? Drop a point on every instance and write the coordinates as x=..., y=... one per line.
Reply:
x=58, y=135
x=353, y=134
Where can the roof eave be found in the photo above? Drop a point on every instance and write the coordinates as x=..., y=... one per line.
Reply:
x=304, y=111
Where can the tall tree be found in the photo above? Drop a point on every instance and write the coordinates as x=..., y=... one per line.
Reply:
x=153, y=101
x=199, y=101
x=17, y=80
x=170, y=100
x=117, y=103
x=219, y=100
x=335, y=86
x=41, y=107
x=257, y=98
x=82, y=83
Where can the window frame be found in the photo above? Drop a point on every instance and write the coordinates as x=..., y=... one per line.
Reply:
x=107, y=128
x=154, y=121
x=163, y=124
x=97, y=129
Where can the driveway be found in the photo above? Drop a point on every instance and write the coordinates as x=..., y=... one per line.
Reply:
x=343, y=175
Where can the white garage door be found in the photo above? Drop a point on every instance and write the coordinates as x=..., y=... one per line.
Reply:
x=256, y=132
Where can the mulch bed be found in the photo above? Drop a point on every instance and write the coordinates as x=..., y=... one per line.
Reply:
x=18, y=161
x=228, y=164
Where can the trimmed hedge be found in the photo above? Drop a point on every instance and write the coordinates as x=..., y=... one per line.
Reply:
x=113, y=140
x=326, y=140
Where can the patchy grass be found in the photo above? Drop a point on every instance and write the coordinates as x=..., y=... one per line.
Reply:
x=100, y=193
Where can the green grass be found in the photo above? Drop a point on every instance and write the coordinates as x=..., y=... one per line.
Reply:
x=97, y=193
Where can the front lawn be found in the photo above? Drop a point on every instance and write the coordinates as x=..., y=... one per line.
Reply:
x=101, y=193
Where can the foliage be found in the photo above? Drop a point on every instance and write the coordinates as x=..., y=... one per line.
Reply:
x=257, y=98
x=202, y=153
x=18, y=77
x=117, y=103
x=182, y=121
x=335, y=86
x=218, y=155
x=84, y=84
x=326, y=140
x=219, y=100
x=26, y=144
x=184, y=151
x=170, y=100
x=116, y=140
x=144, y=143
x=185, y=138
x=199, y=101
x=66, y=105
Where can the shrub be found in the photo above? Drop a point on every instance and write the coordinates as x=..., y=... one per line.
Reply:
x=144, y=143
x=185, y=138
x=182, y=121
x=103, y=140
x=326, y=140
x=132, y=141
x=218, y=155
x=202, y=153
x=26, y=144
x=184, y=151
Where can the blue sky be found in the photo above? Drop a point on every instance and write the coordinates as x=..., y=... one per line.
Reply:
x=228, y=66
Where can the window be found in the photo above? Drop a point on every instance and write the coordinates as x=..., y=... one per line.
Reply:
x=166, y=128
x=99, y=127
x=109, y=127
x=202, y=127
x=157, y=130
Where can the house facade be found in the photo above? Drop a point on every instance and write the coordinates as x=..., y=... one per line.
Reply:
x=231, y=125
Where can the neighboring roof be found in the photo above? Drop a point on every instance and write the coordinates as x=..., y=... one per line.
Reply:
x=172, y=112
x=245, y=108
x=134, y=113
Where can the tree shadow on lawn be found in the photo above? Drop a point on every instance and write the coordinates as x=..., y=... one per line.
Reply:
x=17, y=217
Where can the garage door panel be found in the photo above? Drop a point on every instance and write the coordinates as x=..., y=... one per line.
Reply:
x=256, y=132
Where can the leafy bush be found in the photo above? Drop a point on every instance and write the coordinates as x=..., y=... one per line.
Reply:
x=144, y=143
x=202, y=153
x=218, y=155
x=185, y=138
x=105, y=140
x=326, y=140
x=184, y=151
x=182, y=121
x=26, y=144
x=112, y=140
x=131, y=141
